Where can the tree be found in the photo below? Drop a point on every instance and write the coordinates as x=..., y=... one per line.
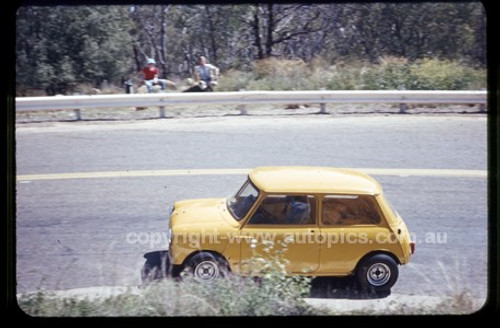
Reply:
x=56, y=48
x=274, y=25
x=60, y=47
x=411, y=30
x=150, y=34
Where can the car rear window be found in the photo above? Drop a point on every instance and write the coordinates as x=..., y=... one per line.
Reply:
x=349, y=210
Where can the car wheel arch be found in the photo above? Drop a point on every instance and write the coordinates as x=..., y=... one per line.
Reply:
x=211, y=252
x=373, y=253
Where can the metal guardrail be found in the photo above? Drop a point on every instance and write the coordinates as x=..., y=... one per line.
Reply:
x=242, y=98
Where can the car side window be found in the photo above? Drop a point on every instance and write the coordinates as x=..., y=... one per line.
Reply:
x=350, y=210
x=285, y=209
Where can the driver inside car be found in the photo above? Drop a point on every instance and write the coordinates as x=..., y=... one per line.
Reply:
x=283, y=210
x=297, y=209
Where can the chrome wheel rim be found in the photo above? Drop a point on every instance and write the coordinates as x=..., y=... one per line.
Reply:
x=378, y=274
x=206, y=271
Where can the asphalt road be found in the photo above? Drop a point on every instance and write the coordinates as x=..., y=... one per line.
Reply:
x=75, y=233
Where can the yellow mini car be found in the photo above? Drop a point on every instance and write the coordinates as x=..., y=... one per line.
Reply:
x=330, y=222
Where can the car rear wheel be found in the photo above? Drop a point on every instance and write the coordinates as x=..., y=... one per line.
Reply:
x=206, y=267
x=377, y=273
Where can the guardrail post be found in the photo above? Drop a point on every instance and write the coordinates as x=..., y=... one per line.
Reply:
x=242, y=107
x=482, y=107
x=322, y=106
x=402, y=106
x=162, y=110
x=129, y=87
x=78, y=114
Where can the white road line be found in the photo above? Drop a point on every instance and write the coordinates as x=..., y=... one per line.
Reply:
x=160, y=173
x=429, y=172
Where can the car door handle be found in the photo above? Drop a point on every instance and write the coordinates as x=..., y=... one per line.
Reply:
x=319, y=237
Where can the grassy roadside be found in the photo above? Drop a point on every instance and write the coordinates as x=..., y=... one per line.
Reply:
x=391, y=73
x=232, y=298
x=273, y=295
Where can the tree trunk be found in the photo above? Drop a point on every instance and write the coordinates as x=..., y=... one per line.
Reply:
x=137, y=59
x=269, y=30
x=212, y=32
x=256, y=32
x=163, y=46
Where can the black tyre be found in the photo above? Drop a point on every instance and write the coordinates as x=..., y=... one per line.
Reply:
x=156, y=267
x=206, y=267
x=377, y=273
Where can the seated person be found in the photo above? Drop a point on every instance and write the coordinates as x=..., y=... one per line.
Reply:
x=297, y=209
x=150, y=75
x=206, y=74
x=283, y=210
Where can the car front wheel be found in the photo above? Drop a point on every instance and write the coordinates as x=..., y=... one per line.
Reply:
x=206, y=267
x=377, y=273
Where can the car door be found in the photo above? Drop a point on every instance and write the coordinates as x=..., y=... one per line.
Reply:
x=351, y=227
x=282, y=230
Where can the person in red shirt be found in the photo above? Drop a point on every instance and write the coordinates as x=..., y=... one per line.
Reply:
x=150, y=76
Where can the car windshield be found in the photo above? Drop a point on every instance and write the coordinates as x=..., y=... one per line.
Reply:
x=242, y=201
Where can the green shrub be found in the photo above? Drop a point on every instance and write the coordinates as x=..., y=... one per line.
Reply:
x=435, y=74
x=344, y=78
x=392, y=73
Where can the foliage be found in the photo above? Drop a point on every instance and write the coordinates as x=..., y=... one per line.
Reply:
x=56, y=48
x=60, y=47
x=231, y=297
x=392, y=73
x=431, y=74
x=274, y=294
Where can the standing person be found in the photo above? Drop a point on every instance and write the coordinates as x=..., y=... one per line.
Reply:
x=151, y=73
x=206, y=73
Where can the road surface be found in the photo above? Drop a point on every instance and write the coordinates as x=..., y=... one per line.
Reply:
x=91, y=229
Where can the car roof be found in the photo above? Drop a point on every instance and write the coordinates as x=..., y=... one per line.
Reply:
x=307, y=179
